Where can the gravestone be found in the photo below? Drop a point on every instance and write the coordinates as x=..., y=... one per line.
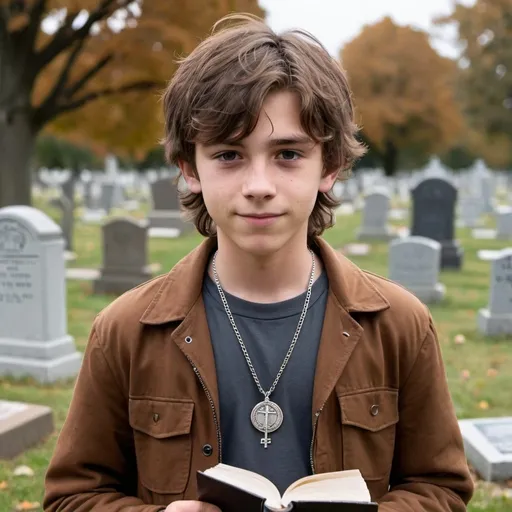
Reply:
x=166, y=212
x=67, y=219
x=470, y=210
x=496, y=319
x=414, y=262
x=33, y=325
x=433, y=216
x=375, y=216
x=125, y=257
x=22, y=426
x=488, y=446
x=504, y=223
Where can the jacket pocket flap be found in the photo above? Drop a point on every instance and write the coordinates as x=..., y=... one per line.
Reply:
x=372, y=410
x=161, y=418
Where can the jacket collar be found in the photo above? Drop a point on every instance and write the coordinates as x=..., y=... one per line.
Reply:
x=182, y=286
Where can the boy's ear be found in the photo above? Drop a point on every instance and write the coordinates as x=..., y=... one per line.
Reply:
x=190, y=176
x=327, y=181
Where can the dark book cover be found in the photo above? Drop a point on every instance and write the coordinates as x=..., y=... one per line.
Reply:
x=232, y=499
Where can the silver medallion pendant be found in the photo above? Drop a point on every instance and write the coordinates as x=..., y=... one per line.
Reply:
x=266, y=417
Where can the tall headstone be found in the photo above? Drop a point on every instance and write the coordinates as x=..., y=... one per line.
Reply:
x=470, y=210
x=496, y=319
x=504, y=223
x=375, y=216
x=433, y=216
x=67, y=219
x=33, y=321
x=125, y=257
x=166, y=207
x=415, y=262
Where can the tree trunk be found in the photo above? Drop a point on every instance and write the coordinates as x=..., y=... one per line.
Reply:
x=17, y=140
x=390, y=159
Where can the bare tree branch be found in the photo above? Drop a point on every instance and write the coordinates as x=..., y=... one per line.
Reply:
x=87, y=76
x=35, y=17
x=51, y=100
x=43, y=117
x=66, y=35
x=103, y=93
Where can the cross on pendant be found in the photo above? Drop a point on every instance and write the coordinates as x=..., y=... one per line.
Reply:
x=265, y=441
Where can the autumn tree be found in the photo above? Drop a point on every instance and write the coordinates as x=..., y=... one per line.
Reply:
x=485, y=79
x=403, y=92
x=92, y=70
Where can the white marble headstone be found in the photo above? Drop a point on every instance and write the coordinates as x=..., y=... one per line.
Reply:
x=33, y=326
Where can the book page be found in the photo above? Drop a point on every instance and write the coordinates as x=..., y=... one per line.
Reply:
x=248, y=481
x=337, y=486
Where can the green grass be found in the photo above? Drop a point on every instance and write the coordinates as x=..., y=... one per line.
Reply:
x=467, y=291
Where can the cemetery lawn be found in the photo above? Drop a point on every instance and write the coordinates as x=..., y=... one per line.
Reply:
x=479, y=370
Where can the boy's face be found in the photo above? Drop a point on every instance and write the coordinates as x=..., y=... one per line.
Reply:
x=261, y=191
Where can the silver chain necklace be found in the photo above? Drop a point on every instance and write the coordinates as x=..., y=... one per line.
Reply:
x=266, y=416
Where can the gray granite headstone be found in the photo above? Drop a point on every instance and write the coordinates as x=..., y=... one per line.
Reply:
x=22, y=426
x=125, y=257
x=488, y=446
x=166, y=211
x=33, y=321
x=414, y=262
x=375, y=216
x=67, y=219
x=504, y=223
x=496, y=319
x=433, y=216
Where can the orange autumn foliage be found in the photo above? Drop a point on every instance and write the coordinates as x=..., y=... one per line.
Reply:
x=403, y=91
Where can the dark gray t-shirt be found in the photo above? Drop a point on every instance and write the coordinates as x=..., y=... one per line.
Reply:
x=267, y=331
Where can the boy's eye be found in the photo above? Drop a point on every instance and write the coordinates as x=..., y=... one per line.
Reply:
x=288, y=154
x=227, y=156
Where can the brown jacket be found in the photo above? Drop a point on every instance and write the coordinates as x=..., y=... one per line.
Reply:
x=145, y=412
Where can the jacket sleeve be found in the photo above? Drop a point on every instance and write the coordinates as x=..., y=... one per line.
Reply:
x=93, y=466
x=430, y=470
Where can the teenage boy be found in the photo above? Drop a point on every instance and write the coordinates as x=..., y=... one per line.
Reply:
x=263, y=315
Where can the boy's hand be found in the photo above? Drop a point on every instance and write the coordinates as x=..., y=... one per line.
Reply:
x=191, y=506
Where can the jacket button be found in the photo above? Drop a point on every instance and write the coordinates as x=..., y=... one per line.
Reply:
x=374, y=410
x=156, y=417
x=207, y=450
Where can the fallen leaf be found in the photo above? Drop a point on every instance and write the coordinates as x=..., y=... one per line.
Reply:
x=3, y=485
x=28, y=505
x=23, y=471
x=459, y=339
x=465, y=374
x=483, y=405
x=492, y=372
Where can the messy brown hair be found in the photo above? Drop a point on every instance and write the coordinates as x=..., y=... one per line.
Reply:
x=218, y=90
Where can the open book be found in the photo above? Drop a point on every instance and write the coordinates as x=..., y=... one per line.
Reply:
x=234, y=489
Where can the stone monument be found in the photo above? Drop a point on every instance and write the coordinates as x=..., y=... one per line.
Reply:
x=375, y=216
x=33, y=326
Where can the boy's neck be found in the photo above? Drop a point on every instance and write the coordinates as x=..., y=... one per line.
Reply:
x=281, y=276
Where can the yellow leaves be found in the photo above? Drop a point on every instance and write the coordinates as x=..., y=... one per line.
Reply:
x=28, y=505
x=459, y=339
x=492, y=372
x=3, y=485
x=484, y=405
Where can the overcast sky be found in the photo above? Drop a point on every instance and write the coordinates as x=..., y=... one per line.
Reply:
x=335, y=22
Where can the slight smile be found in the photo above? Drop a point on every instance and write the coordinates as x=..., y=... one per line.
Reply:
x=261, y=219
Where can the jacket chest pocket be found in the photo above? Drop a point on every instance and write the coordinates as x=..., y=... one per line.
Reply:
x=368, y=428
x=163, y=443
